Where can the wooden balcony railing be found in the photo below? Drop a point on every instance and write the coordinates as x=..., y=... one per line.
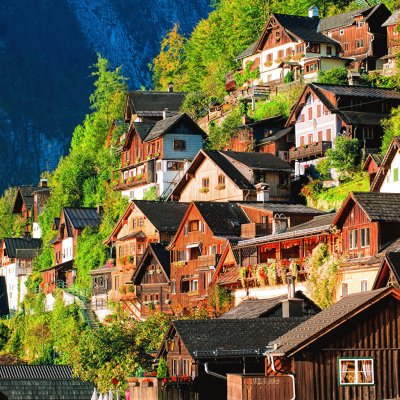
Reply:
x=133, y=181
x=205, y=261
x=253, y=230
x=309, y=151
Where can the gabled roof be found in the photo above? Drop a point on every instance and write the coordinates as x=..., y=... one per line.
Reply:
x=379, y=207
x=12, y=244
x=24, y=195
x=248, y=51
x=83, y=217
x=385, y=164
x=281, y=207
x=320, y=221
x=264, y=308
x=373, y=158
x=145, y=103
x=157, y=250
x=258, y=161
x=389, y=265
x=214, y=338
x=36, y=372
x=224, y=219
x=327, y=320
x=346, y=19
x=393, y=19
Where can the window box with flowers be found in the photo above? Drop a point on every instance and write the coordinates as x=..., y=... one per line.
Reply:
x=298, y=57
x=131, y=179
x=139, y=177
x=156, y=155
x=149, y=157
x=204, y=190
x=158, y=271
x=278, y=60
x=268, y=64
x=146, y=382
x=193, y=293
x=179, y=264
x=221, y=186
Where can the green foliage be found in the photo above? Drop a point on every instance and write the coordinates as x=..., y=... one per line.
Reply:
x=344, y=157
x=150, y=194
x=10, y=224
x=279, y=105
x=391, y=127
x=220, y=134
x=196, y=105
x=219, y=300
x=289, y=77
x=322, y=269
x=4, y=335
x=334, y=76
x=247, y=75
x=162, y=369
x=324, y=169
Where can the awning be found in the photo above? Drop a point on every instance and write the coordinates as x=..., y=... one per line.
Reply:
x=192, y=245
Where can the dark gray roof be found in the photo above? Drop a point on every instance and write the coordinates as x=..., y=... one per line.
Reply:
x=276, y=136
x=27, y=253
x=362, y=118
x=303, y=28
x=326, y=319
x=259, y=161
x=231, y=337
x=221, y=217
x=166, y=216
x=143, y=129
x=393, y=19
x=287, y=208
x=42, y=372
x=262, y=308
x=12, y=244
x=26, y=193
x=384, y=207
x=393, y=258
x=155, y=102
x=83, y=217
x=248, y=51
x=316, y=222
x=343, y=19
x=378, y=158
x=233, y=173
x=358, y=91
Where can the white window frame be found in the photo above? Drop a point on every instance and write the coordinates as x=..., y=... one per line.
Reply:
x=364, y=285
x=175, y=366
x=341, y=32
x=353, y=239
x=357, y=361
x=364, y=236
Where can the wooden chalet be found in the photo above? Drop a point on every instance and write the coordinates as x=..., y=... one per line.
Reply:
x=69, y=226
x=389, y=272
x=29, y=202
x=290, y=44
x=17, y=256
x=101, y=286
x=387, y=178
x=200, y=246
x=151, y=280
x=361, y=35
x=234, y=176
x=372, y=164
x=156, y=154
x=393, y=44
x=348, y=351
x=267, y=136
x=324, y=112
x=142, y=223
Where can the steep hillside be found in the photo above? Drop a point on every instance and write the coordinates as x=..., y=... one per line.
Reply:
x=46, y=47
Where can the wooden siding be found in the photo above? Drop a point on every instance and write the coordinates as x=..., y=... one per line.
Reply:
x=374, y=333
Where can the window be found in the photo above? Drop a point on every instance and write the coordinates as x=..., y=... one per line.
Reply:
x=175, y=367
x=353, y=239
x=368, y=132
x=173, y=286
x=185, y=367
x=364, y=237
x=356, y=371
x=194, y=226
x=301, y=140
x=283, y=180
x=116, y=282
x=158, y=165
x=345, y=289
x=346, y=46
x=289, y=52
x=341, y=32
x=180, y=255
x=328, y=135
x=310, y=138
x=213, y=249
x=179, y=145
x=194, y=285
x=221, y=180
x=206, y=182
x=360, y=24
x=314, y=48
x=318, y=110
x=364, y=285
x=174, y=166
x=185, y=230
x=310, y=113
x=207, y=279
x=328, y=50
x=395, y=174
x=359, y=43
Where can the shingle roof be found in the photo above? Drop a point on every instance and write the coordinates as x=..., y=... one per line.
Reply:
x=362, y=118
x=382, y=207
x=155, y=102
x=287, y=208
x=233, y=173
x=27, y=253
x=248, y=51
x=166, y=216
x=393, y=19
x=393, y=258
x=304, y=28
x=83, y=217
x=262, y=308
x=358, y=91
x=259, y=161
x=221, y=217
x=343, y=19
x=329, y=318
x=26, y=193
x=230, y=337
x=143, y=129
x=12, y=244
x=316, y=222
x=42, y=372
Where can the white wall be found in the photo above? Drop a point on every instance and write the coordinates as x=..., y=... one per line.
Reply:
x=390, y=185
x=67, y=249
x=10, y=273
x=37, y=231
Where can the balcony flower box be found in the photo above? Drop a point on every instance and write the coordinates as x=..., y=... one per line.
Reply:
x=204, y=190
x=221, y=186
x=158, y=271
x=268, y=64
x=151, y=272
x=139, y=177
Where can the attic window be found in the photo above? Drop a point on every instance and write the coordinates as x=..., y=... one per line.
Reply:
x=360, y=24
x=179, y=145
x=341, y=32
x=356, y=371
x=235, y=224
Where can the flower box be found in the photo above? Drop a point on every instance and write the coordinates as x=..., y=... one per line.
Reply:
x=204, y=190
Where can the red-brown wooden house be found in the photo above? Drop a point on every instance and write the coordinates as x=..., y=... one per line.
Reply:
x=393, y=44
x=372, y=164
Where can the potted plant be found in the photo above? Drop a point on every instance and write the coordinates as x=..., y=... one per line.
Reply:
x=146, y=382
x=122, y=289
x=204, y=190
x=139, y=177
x=156, y=155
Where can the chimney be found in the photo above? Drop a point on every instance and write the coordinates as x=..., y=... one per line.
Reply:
x=27, y=234
x=292, y=307
x=165, y=113
x=280, y=224
x=262, y=191
x=245, y=119
x=43, y=183
x=100, y=210
x=170, y=87
x=313, y=12
x=354, y=78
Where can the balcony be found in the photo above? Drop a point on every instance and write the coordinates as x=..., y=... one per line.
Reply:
x=253, y=230
x=138, y=180
x=230, y=83
x=310, y=151
x=205, y=261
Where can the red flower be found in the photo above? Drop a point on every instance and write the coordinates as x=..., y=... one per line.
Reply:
x=174, y=378
x=114, y=381
x=147, y=380
x=164, y=381
x=185, y=378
